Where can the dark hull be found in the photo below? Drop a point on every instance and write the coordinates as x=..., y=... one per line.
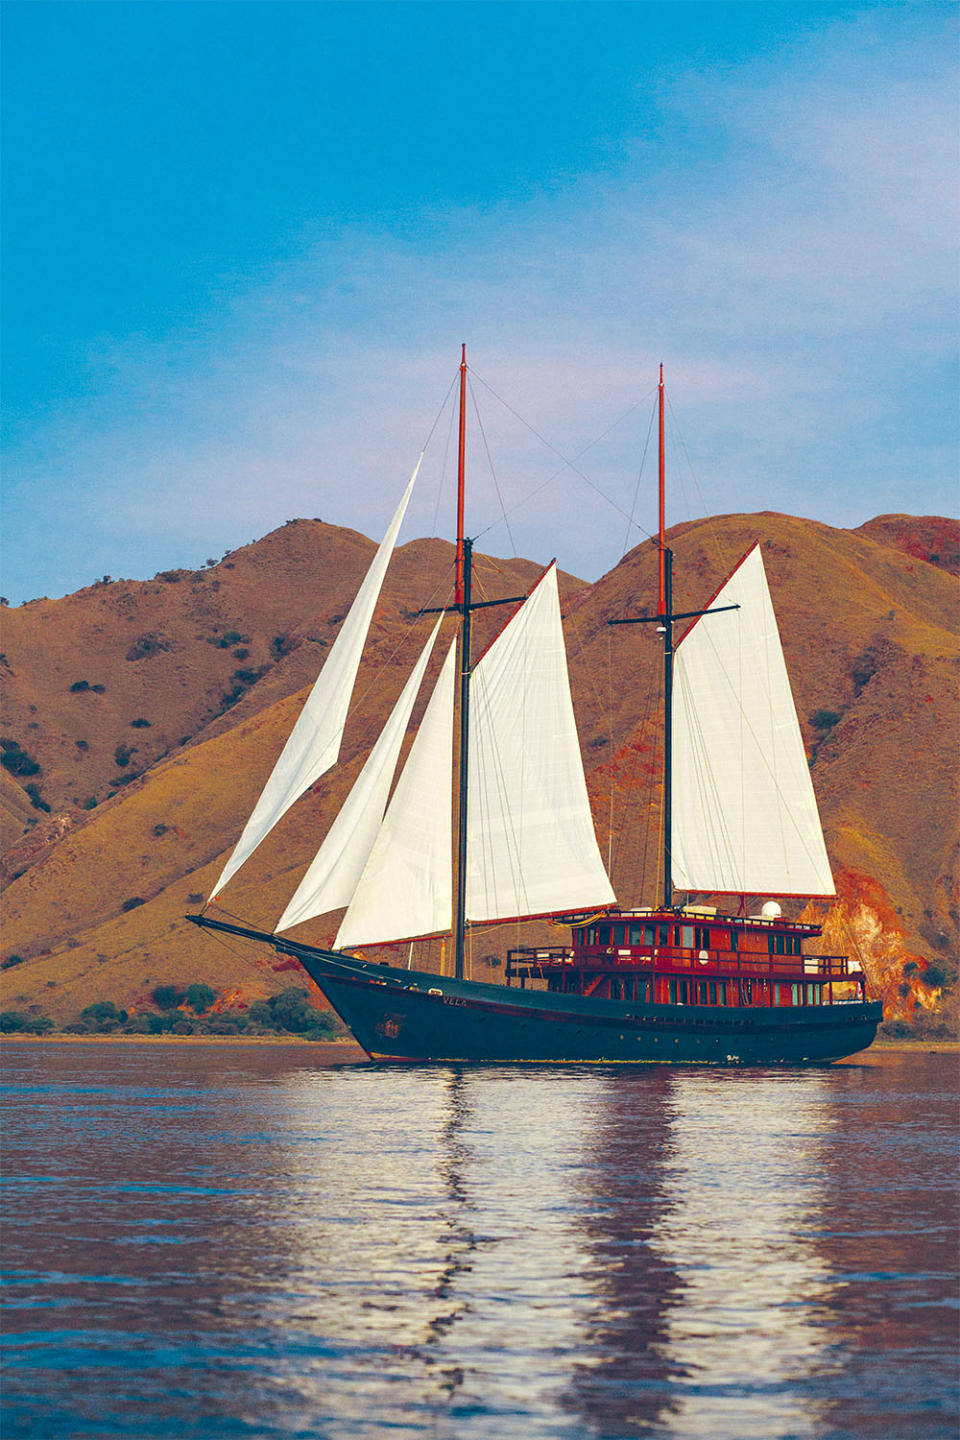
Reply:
x=416, y=1016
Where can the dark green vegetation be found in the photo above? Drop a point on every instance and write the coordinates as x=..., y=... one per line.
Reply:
x=187, y=1010
x=16, y=760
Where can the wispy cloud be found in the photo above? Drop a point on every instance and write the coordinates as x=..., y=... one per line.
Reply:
x=787, y=247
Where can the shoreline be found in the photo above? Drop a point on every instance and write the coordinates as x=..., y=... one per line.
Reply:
x=349, y=1047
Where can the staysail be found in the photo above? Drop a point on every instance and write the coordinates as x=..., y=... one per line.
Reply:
x=332, y=877
x=531, y=846
x=314, y=742
x=745, y=817
x=406, y=887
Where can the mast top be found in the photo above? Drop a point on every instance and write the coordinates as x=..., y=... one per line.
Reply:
x=662, y=587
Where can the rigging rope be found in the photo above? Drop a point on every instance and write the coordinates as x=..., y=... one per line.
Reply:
x=496, y=483
x=567, y=463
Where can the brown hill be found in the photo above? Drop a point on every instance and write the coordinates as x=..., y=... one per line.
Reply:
x=97, y=910
x=934, y=538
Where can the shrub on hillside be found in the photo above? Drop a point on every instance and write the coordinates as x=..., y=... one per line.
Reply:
x=824, y=719
x=140, y=723
x=17, y=1022
x=162, y=1024
x=226, y=1025
x=133, y=903
x=291, y=1011
x=146, y=645
x=895, y=1030
x=36, y=799
x=137, y=1025
x=12, y=960
x=38, y=1025
x=16, y=760
x=168, y=997
x=200, y=997
x=103, y=1012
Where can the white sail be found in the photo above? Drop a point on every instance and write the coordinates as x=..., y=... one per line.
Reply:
x=406, y=888
x=745, y=816
x=531, y=847
x=314, y=743
x=332, y=877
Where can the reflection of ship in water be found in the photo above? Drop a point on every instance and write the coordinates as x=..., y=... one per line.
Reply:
x=635, y=1252
x=452, y=1160
x=624, y=1375
x=243, y=1242
x=710, y=1287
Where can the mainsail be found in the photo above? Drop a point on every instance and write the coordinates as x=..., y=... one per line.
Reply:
x=314, y=742
x=406, y=887
x=745, y=817
x=531, y=845
x=332, y=877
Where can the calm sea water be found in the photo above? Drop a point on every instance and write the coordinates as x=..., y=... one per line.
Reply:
x=234, y=1241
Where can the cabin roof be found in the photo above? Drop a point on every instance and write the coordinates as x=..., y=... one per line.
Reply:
x=702, y=917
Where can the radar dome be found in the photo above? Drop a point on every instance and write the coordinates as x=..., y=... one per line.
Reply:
x=770, y=910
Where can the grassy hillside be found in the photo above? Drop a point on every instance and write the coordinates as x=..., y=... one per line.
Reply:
x=216, y=664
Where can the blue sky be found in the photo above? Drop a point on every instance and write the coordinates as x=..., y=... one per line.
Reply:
x=244, y=241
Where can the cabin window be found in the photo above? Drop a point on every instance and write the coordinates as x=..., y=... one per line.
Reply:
x=702, y=992
x=783, y=944
x=619, y=933
x=686, y=932
x=701, y=937
x=713, y=992
x=684, y=996
x=734, y=939
x=616, y=989
x=664, y=934
x=746, y=992
x=603, y=934
x=672, y=992
x=813, y=994
x=795, y=992
x=721, y=991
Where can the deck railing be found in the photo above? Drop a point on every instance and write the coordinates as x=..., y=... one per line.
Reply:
x=543, y=961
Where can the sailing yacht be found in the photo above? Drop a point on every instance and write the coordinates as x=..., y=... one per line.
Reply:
x=670, y=983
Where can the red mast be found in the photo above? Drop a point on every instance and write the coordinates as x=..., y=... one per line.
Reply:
x=662, y=597
x=461, y=454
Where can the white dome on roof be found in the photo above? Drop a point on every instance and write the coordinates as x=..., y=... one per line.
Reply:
x=770, y=910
